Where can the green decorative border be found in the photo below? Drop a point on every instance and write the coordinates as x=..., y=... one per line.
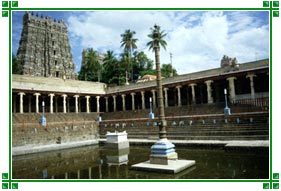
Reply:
x=9, y=6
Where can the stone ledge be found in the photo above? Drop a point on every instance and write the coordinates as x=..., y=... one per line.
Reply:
x=29, y=149
x=173, y=167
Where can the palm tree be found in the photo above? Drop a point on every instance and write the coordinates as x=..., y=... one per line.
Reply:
x=129, y=44
x=157, y=40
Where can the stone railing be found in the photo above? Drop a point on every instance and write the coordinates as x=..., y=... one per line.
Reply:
x=258, y=102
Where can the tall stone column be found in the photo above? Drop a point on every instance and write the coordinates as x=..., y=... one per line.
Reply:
x=166, y=96
x=87, y=104
x=98, y=103
x=21, y=101
x=142, y=100
x=76, y=103
x=123, y=102
x=193, y=92
x=153, y=99
x=106, y=104
x=51, y=103
x=252, y=85
x=209, y=91
x=231, y=87
x=133, y=101
x=114, y=103
x=64, y=102
x=37, y=102
x=179, y=95
x=29, y=103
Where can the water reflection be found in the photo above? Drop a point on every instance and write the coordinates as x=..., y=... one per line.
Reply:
x=94, y=162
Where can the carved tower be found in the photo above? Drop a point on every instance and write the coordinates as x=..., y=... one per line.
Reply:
x=44, y=48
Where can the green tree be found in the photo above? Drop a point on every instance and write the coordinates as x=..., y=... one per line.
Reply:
x=17, y=67
x=128, y=42
x=91, y=67
x=142, y=65
x=166, y=70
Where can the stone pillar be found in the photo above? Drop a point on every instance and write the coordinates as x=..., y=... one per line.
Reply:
x=21, y=101
x=252, y=85
x=193, y=92
x=64, y=102
x=106, y=104
x=76, y=103
x=87, y=104
x=51, y=103
x=114, y=103
x=37, y=102
x=231, y=88
x=209, y=91
x=142, y=100
x=153, y=99
x=179, y=95
x=133, y=101
x=123, y=102
x=166, y=96
x=29, y=103
x=98, y=103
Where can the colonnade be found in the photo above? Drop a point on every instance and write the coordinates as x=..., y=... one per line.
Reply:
x=141, y=99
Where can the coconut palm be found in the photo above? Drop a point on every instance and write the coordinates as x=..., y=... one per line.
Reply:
x=129, y=43
x=157, y=37
x=157, y=40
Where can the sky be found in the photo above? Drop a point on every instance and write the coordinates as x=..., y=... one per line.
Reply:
x=197, y=40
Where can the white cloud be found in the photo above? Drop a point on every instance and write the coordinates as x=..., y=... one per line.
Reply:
x=198, y=40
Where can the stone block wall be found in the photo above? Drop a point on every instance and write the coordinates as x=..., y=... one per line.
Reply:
x=61, y=128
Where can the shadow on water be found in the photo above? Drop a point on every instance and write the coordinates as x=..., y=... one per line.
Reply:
x=97, y=162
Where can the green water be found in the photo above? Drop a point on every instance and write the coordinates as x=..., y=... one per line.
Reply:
x=97, y=162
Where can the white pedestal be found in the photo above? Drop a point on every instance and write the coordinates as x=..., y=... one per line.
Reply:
x=117, y=140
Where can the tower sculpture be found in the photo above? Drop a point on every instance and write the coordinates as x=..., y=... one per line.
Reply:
x=44, y=48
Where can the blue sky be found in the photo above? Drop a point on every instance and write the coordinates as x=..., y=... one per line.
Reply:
x=197, y=39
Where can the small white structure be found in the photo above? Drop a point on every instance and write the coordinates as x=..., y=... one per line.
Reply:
x=117, y=140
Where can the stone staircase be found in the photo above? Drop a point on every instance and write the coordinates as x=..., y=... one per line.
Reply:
x=241, y=126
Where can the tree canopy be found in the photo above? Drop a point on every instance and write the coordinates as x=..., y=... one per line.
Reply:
x=167, y=69
x=112, y=68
